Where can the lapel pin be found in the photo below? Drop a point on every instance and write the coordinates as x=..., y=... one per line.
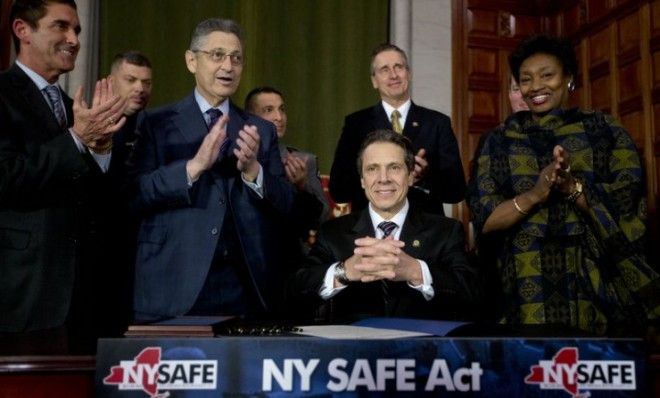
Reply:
x=415, y=243
x=415, y=124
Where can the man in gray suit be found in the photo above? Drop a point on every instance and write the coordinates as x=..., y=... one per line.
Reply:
x=301, y=167
x=211, y=189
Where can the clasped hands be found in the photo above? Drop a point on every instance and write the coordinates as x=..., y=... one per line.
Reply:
x=296, y=170
x=376, y=259
x=555, y=176
x=94, y=125
x=247, y=148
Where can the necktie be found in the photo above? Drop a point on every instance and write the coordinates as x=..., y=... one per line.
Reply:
x=396, y=122
x=387, y=227
x=214, y=115
x=53, y=95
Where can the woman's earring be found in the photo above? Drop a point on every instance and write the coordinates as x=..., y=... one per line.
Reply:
x=571, y=86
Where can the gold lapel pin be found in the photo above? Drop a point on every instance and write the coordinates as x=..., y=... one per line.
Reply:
x=415, y=243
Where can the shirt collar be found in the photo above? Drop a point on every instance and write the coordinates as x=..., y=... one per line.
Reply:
x=205, y=106
x=403, y=109
x=34, y=76
x=398, y=218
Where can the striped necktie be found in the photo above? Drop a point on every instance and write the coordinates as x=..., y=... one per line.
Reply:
x=53, y=95
x=387, y=227
x=214, y=115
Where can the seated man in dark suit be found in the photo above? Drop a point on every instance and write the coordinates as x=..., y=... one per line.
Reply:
x=210, y=186
x=391, y=259
x=438, y=174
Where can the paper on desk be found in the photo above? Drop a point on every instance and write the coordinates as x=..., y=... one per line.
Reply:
x=356, y=332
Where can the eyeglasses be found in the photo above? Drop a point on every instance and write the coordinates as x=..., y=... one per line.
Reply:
x=219, y=56
x=386, y=70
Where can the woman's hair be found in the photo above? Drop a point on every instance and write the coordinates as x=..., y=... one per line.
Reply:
x=561, y=49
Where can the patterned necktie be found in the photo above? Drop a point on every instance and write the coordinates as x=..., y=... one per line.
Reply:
x=387, y=227
x=53, y=95
x=214, y=115
x=396, y=122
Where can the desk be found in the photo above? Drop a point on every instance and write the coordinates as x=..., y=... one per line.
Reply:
x=511, y=367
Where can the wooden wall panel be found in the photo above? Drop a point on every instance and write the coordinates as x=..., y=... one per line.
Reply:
x=628, y=33
x=634, y=123
x=482, y=23
x=600, y=94
x=597, y=8
x=599, y=47
x=629, y=82
x=483, y=63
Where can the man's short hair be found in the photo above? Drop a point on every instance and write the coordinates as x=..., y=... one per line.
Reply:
x=392, y=138
x=252, y=96
x=31, y=11
x=211, y=25
x=130, y=57
x=386, y=47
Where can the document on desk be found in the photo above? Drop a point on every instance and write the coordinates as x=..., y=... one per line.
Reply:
x=349, y=332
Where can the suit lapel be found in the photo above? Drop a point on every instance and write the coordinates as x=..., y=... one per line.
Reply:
x=413, y=123
x=189, y=120
x=412, y=232
x=35, y=102
x=380, y=118
x=364, y=226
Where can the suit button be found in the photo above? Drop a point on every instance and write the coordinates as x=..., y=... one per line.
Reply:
x=214, y=231
x=222, y=202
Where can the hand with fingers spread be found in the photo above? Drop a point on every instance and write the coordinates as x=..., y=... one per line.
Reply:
x=246, y=153
x=421, y=165
x=209, y=151
x=296, y=170
x=95, y=125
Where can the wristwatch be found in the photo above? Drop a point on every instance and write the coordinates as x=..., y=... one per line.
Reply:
x=340, y=274
x=573, y=196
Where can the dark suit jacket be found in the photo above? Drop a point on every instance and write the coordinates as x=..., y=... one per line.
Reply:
x=55, y=214
x=430, y=237
x=428, y=129
x=181, y=226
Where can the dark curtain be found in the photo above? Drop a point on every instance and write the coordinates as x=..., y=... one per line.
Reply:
x=5, y=34
x=315, y=51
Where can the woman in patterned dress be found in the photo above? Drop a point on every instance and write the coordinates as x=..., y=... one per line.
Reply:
x=558, y=200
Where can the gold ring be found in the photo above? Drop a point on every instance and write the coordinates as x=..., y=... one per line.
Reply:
x=546, y=177
x=111, y=120
x=567, y=170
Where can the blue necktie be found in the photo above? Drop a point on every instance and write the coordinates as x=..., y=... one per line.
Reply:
x=214, y=115
x=387, y=227
x=53, y=95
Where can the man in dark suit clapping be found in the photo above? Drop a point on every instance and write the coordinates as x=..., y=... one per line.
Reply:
x=438, y=174
x=210, y=186
x=392, y=258
x=56, y=199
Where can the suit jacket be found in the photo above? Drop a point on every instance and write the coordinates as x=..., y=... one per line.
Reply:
x=319, y=208
x=430, y=237
x=181, y=225
x=444, y=180
x=55, y=213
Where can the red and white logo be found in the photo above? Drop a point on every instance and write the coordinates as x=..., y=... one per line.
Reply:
x=567, y=372
x=147, y=372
